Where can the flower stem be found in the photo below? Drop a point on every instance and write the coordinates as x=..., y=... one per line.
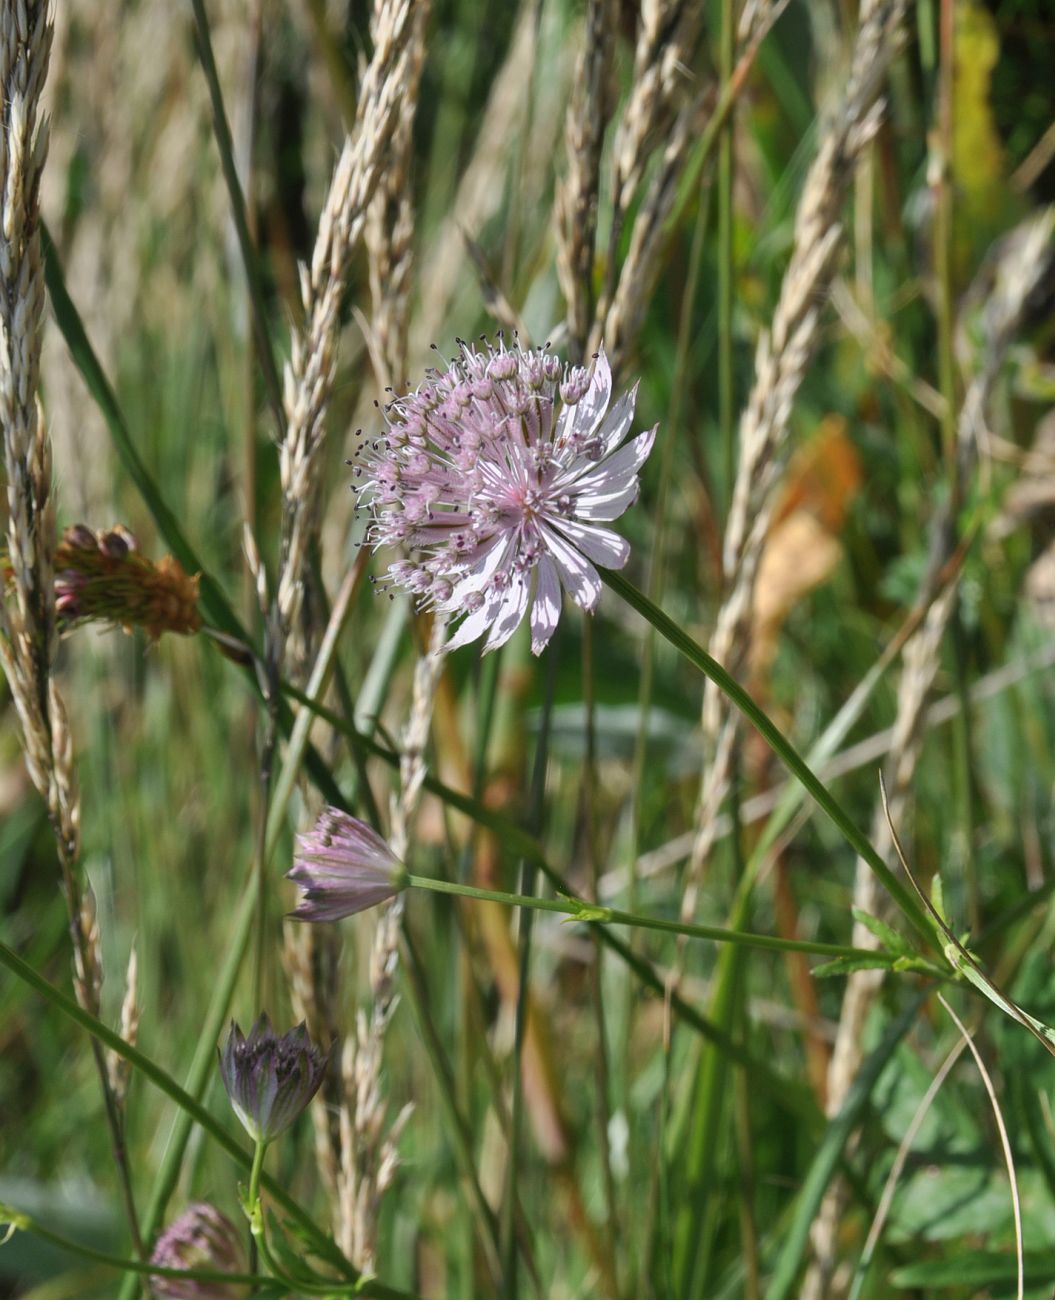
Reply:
x=580, y=910
x=24, y=1223
x=254, y=1173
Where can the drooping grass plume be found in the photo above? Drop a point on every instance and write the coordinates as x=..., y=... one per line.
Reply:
x=28, y=622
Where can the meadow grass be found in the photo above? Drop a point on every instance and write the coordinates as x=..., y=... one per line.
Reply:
x=734, y=1051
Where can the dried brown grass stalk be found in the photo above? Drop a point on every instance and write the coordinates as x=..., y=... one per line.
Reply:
x=1007, y=283
x=666, y=101
x=369, y=1157
x=309, y=376
x=28, y=634
x=390, y=223
x=370, y=195
x=782, y=355
x=619, y=319
x=577, y=190
x=664, y=97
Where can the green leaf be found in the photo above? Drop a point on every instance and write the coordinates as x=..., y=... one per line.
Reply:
x=980, y=1268
x=919, y=965
x=886, y=934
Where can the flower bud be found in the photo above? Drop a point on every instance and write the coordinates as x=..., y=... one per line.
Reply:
x=270, y=1079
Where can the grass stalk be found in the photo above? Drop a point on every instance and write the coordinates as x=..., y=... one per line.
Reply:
x=225, y=145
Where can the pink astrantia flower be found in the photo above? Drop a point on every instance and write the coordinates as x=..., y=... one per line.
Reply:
x=343, y=866
x=201, y=1238
x=497, y=475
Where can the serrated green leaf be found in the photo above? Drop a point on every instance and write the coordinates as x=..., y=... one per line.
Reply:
x=919, y=965
x=887, y=935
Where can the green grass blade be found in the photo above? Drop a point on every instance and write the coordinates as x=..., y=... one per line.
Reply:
x=830, y=1152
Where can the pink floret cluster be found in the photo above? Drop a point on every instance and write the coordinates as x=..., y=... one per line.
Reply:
x=497, y=476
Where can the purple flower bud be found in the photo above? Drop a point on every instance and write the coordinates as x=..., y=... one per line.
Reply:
x=343, y=867
x=80, y=537
x=575, y=384
x=503, y=365
x=117, y=543
x=269, y=1079
x=201, y=1238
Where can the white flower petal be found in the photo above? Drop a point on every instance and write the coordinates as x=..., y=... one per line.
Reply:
x=510, y=613
x=546, y=610
x=483, y=565
x=602, y=509
x=617, y=424
x=598, y=544
x=576, y=572
x=473, y=626
x=616, y=472
x=590, y=408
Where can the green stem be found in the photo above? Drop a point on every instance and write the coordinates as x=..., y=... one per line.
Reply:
x=942, y=191
x=580, y=910
x=781, y=746
x=163, y=1081
x=299, y=1286
x=24, y=1223
x=256, y=1212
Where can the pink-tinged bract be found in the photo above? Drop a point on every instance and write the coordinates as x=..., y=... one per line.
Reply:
x=201, y=1238
x=270, y=1078
x=343, y=866
x=498, y=475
